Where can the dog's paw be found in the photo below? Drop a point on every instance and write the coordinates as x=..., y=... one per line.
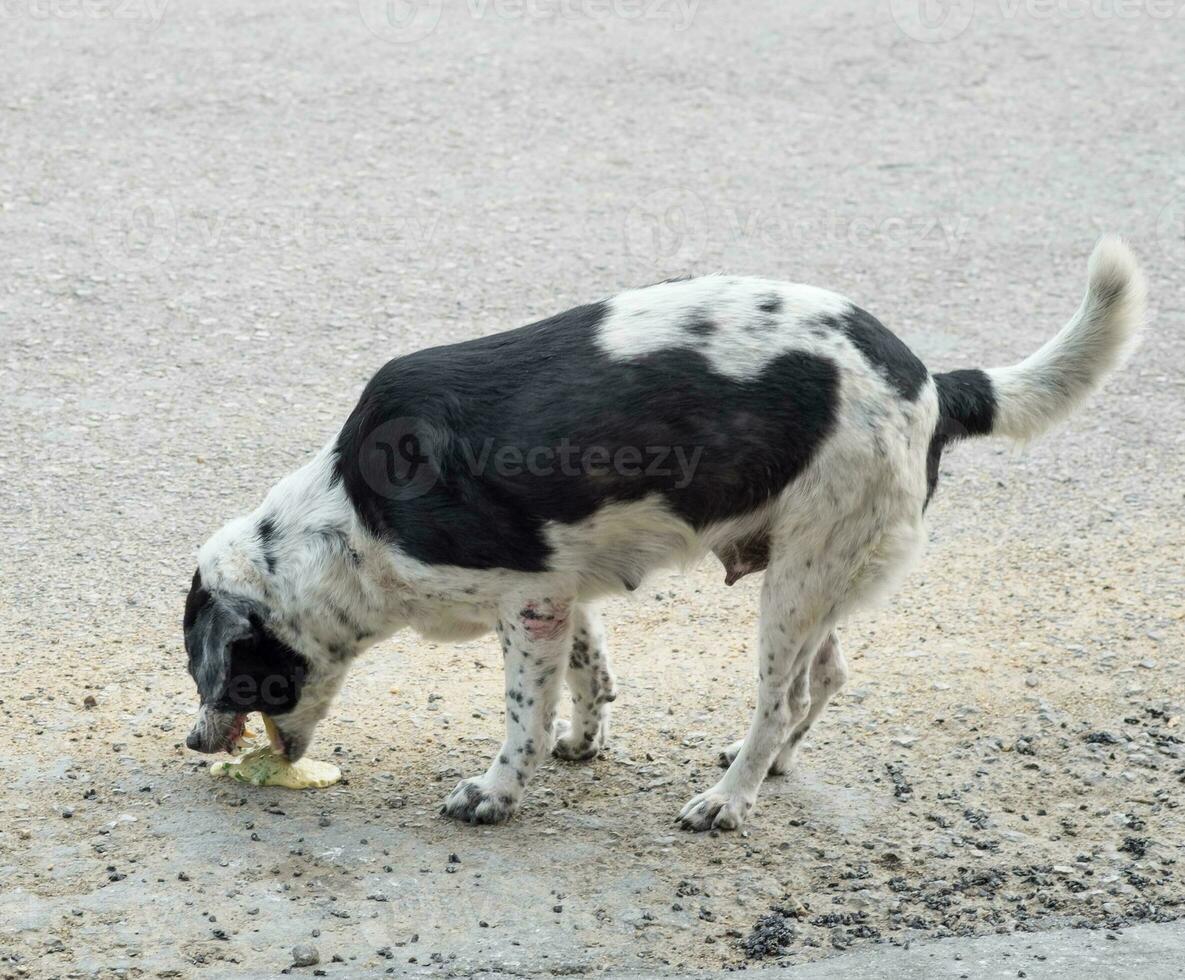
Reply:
x=779, y=767
x=475, y=802
x=575, y=746
x=726, y=757
x=714, y=810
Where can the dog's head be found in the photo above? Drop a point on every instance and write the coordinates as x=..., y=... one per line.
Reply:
x=240, y=666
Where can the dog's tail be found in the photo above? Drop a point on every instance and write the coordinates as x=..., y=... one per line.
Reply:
x=1026, y=399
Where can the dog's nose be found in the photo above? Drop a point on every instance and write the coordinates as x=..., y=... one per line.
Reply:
x=193, y=741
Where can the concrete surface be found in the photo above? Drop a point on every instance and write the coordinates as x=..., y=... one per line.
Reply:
x=218, y=219
x=1150, y=952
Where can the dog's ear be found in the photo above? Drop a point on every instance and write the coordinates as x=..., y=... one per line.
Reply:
x=212, y=625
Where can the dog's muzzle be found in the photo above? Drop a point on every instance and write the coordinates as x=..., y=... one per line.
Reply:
x=215, y=731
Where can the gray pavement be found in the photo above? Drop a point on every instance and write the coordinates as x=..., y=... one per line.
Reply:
x=217, y=219
x=1149, y=952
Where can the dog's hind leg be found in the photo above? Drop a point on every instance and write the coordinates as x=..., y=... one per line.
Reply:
x=591, y=683
x=797, y=614
x=829, y=672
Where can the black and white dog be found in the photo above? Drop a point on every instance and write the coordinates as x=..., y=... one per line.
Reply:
x=509, y=482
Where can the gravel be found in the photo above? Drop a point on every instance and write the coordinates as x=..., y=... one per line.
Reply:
x=305, y=955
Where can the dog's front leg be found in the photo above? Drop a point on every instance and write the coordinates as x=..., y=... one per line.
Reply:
x=536, y=638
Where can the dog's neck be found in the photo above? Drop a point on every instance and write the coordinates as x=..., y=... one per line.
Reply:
x=327, y=585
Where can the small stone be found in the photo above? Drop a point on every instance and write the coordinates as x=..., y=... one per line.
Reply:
x=90, y=701
x=1030, y=680
x=305, y=955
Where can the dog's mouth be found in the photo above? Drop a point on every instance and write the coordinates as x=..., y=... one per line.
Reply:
x=216, y=731
x=234, y=737
x=226, y=732
x=239, y=735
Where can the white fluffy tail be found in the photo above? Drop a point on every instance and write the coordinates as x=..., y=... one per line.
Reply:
x=1046, y=387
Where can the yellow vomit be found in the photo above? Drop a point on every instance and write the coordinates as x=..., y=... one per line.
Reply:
x=264, y=766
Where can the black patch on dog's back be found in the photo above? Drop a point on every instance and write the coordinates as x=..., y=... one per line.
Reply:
x=884, y=350
x=407, y=453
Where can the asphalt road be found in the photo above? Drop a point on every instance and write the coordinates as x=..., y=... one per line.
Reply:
x=218, y=219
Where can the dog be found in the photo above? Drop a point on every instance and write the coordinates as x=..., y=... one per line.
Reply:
x=507, y=483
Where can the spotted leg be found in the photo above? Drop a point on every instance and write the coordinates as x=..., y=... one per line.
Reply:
x=829, y=672
x=536, y=638
x=590, y=681
x=793, y=625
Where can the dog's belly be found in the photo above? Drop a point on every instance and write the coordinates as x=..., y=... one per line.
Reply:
x=622, y=543
x=448, y=623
